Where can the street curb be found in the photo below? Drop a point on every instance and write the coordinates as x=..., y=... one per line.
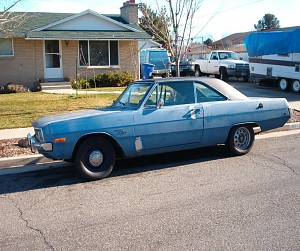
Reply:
x=289, y=126
x=29, y=163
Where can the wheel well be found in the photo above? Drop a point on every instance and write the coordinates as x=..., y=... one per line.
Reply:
x=118, y=149
x=256, y=128
x=222, y=68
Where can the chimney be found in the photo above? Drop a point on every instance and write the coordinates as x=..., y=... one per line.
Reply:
x=129, y=12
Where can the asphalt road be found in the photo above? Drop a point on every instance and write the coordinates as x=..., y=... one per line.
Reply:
x=251, y=89
x=193, y=200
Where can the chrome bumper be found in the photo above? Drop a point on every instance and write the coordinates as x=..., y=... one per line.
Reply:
x=37, y=146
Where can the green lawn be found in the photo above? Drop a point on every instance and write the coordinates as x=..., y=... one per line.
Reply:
x=20, y=109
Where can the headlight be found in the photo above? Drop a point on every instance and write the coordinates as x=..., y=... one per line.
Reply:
x=231, y=66
x=39, y=134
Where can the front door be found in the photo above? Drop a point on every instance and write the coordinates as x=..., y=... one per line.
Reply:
x=213, y=64
x=53, y=60
x=178, y=122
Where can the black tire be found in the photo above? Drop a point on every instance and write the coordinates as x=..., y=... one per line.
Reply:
x=246, y=78
x=240, y=139
x=283, y=84
x=295, y=86
x=197, y=71
x=95, y=158
x=224, y=75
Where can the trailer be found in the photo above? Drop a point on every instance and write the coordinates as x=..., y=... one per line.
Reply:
x=275, y=56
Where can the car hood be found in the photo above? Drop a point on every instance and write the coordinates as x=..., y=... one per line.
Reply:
x=230, y=61
x=76, y=116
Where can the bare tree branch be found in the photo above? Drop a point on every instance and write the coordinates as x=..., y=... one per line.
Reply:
x=11, y=20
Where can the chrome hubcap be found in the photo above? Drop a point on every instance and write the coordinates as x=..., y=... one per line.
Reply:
x=96, y=158
x=283, y=84
x=242, y=138
x=296, y=85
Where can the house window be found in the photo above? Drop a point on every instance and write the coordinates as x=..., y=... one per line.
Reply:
x=6, y=47
x=98, y=53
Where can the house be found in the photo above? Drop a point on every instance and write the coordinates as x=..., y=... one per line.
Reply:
x=61, y=46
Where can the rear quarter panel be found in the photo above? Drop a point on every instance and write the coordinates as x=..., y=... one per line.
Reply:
x=221, y=116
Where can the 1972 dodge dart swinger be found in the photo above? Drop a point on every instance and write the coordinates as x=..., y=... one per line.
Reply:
x=156, y=116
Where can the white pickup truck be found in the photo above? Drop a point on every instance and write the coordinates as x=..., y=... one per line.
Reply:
x=222, y=64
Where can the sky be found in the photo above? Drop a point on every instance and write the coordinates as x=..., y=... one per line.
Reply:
x=215, y=19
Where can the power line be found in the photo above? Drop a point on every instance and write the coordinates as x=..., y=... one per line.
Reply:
x=220, y=11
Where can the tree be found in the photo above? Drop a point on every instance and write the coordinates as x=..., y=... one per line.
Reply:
x=155, y=23
x=175, y=25
x=268, y=22
x=10, y=20
x=208, y=41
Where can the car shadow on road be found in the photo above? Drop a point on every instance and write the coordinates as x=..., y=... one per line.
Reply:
x=65, y=176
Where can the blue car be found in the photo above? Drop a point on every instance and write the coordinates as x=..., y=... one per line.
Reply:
x=155, y=116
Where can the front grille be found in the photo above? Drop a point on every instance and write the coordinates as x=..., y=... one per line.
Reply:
x=242, y=66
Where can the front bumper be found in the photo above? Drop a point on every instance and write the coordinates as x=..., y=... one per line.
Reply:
x=237, y=73
x=161, y=72
x=37, y=146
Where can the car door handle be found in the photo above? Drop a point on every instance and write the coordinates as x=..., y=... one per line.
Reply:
x=195, y=109
x=260, y=106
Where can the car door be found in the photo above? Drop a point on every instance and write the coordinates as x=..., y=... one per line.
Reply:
x=169, y=118
x=218, y=114
x=213, y=64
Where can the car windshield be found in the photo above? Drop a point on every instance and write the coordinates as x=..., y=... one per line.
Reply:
x=133, y=95
x=228, y=55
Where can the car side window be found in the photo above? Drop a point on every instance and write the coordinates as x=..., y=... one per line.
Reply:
x=206, y=94
x=152, y=100
x=177, y=93
x=169, y=94
x=214, y=56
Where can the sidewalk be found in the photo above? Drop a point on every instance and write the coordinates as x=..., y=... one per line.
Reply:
x=16, y=133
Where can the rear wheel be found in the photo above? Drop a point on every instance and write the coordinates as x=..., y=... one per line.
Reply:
x=197, y=71
x=295, y=86
x=240, y=139
x=95, y=158
x=283, y=84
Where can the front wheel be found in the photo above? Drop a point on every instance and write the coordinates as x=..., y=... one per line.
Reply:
x=240, y=140
x=224, y=75
x=246, y=78
x=95, y=158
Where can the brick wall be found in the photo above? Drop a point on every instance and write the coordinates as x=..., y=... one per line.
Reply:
x=27, y=64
